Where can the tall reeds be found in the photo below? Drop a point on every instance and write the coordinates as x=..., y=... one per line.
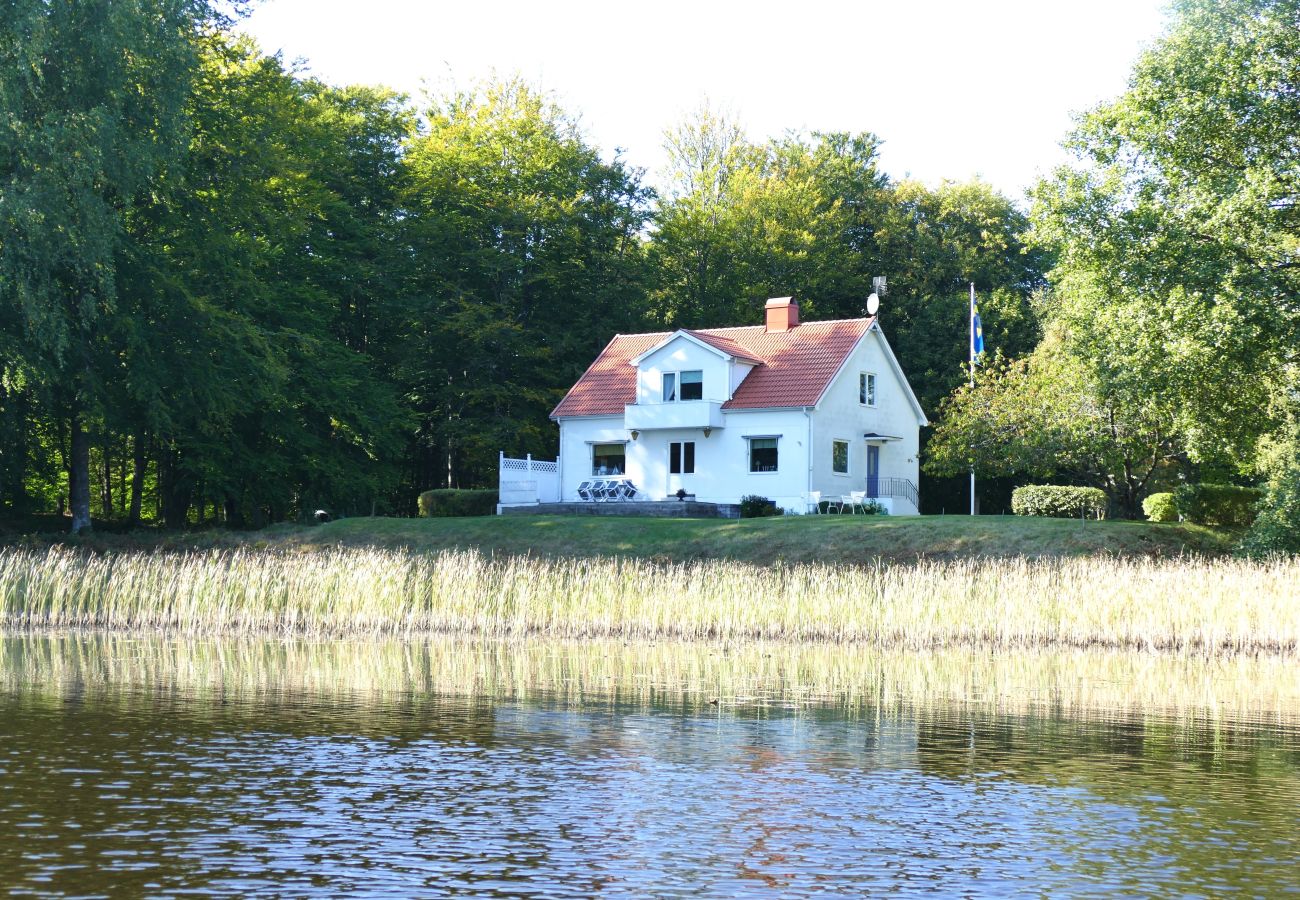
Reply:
x=1190, y=605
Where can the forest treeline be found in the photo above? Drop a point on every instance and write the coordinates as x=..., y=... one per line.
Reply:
x=230, y=292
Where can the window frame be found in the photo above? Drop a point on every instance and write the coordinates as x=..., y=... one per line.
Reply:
x=868, y=385
x=749, y=453
x=676, y=376
x=681, y=385
x=848, y=457
x=679, y=457
x=594, y=445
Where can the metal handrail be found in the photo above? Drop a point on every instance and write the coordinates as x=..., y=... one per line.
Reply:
x=890, y=486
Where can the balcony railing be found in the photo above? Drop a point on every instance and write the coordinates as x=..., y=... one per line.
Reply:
x=678, y=414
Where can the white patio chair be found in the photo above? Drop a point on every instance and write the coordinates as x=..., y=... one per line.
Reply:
x=584, y=491
x=813, y=502
x=858, y=501
x=629, y=491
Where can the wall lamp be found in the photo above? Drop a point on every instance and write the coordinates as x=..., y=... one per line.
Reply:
x=635, y=434
x=708, y=430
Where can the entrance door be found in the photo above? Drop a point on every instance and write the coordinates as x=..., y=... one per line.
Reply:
x=873, y=471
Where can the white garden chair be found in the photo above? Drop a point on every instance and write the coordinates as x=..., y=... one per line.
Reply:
x=813, y=502
x=584, y=491
x=857, y=501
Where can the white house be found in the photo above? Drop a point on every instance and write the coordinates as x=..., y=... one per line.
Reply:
x=780, y=410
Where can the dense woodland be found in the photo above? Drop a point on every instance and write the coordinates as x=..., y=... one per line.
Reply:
x=231, y=293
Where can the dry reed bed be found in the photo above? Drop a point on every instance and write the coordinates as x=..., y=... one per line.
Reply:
x=1190, y=605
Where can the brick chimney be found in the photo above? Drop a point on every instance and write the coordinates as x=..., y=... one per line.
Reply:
x=782, y=314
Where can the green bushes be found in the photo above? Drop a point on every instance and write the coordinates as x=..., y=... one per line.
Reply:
x=458, y=503
x=1058, y=501
x=752, y=506
x=1277, y=527
x=1217, y=504
x=1160, y=508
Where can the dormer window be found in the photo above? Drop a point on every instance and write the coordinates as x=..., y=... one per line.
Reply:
x=693, y=385
x=687, y=385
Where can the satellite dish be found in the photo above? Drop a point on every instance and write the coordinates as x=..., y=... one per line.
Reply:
x=873, y=304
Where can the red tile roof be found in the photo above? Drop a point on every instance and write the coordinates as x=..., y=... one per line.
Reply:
x=794, y=367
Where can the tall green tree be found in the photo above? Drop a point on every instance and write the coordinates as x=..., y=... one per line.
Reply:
x=92, y=113
x=527, y=255
x=1177, y=233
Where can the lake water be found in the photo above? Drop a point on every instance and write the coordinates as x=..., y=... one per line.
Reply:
x=133, y=767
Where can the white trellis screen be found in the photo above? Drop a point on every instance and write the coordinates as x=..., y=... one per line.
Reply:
x=523, y=482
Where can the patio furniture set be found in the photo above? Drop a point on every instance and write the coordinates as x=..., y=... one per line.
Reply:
x=607, y=491
x=851, y=502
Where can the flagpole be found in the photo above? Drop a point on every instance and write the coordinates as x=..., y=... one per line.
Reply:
x=972, y=385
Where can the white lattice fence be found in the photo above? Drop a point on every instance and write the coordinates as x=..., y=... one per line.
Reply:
x=523, y=482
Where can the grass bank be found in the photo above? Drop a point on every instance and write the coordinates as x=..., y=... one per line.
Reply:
x=1183, y=605
x=833, y=540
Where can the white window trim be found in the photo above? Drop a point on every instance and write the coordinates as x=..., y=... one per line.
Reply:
x=694, y=458
x=591, y=457
x=749, y=452
x=848, y=457
x=677, y=380
x=874, y=393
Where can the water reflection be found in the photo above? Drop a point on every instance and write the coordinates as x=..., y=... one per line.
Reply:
x=147, y=766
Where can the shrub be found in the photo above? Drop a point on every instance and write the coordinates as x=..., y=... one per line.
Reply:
x=1058, y=501
x=1217, y=504
x=752, y=506
x=1277, y=527
x=1160, y=508
x=458, y=503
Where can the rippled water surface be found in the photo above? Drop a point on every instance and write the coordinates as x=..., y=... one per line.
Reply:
x=131, y=768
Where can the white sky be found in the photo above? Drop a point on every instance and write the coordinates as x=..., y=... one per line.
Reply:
x=955, y=88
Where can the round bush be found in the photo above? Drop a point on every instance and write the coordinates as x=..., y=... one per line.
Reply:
x=1160, y=508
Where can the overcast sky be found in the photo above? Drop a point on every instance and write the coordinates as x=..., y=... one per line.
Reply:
x=955, y=89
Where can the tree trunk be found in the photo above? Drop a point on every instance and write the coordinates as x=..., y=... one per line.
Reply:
x=107, y=489
x=79, y=475
x=137, y=480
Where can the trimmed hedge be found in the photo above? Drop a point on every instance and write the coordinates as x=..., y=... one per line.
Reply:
x=752, y=506
x=1217, y=504
x=1058, y=501
x=1160, y=508
x=440, y=503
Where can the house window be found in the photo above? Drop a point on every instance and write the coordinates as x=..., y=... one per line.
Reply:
x=867, y=388
x=693, y=385
x=681, y=457
x=608, y=459
x=762, y=454
x=670, y=387
x=840, y=457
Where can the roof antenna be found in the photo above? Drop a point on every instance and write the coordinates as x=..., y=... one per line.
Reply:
x=879, y=288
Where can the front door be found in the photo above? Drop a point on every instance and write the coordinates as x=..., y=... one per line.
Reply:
x=873, y=471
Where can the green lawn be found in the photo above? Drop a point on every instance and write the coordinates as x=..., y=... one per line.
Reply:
x=837, y=539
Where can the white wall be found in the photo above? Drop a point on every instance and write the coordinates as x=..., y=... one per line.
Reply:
x=721, y=460
x=841, y=416
x=679, y=355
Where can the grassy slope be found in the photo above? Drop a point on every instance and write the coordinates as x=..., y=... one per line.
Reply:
x=835, y=539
